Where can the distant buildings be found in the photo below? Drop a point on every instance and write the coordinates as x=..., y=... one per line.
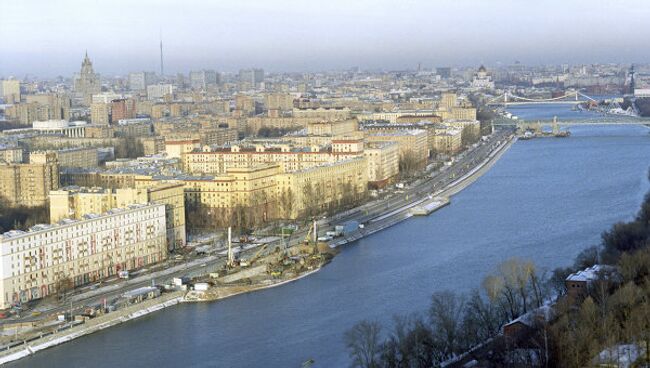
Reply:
x=11, y=155
x=138, y=82
x=482, y=80
x=87, y=82
x=200, y=80
x=100, y=113
x=72, y=129
x=443, y=72
x=40, y=107
x=122, y=109
x=11, y=91
x=158, y=91
x=251, y=78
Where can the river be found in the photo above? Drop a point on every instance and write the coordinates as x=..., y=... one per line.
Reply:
x=545, y=200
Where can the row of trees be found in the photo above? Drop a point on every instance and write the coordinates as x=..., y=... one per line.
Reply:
x=268, y=132
x=22, y=218
x=129, y=147
x=243, y=218
x=469, y=136
x=409, y=164
x=454, y=323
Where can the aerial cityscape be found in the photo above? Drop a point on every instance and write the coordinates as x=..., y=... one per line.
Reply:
x=324, y=184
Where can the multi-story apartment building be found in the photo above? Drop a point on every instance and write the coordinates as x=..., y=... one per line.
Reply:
x=11, y=91
x=251, y=189
x=310, y=191
x=251, y=78
x=76, y=202
x=139, y=81
x=291, y=158
x=153, y=145
x=11, y=155
x=203, y=78
x=28, y=184
x=256, y=123
x=100, y=113
x=332, y=128
x=41, y=261
x=122, y=108
x=106, y=97
x=158, y=91
x=40, y=107
x=132, y=127
x=383, y=163
x=412, y=143
x=266, y=192
x=69, y=157
x=276, y=103
x=177, y=148
x=448, y=141
x=325, y=113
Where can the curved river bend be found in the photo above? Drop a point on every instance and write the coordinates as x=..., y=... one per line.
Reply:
x=545, y=200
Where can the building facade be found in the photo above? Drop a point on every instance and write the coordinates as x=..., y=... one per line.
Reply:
x=70, y=157
x=28, y=184
x=383, y=163
x=86, y=83
x=39, y=262
x=78, y=202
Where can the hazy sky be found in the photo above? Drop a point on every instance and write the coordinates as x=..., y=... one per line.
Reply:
x=49, y=37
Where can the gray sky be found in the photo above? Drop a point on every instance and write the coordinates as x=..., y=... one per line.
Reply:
x=48, y=37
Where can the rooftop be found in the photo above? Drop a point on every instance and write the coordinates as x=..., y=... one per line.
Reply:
x=590, y=274
x=42, y=227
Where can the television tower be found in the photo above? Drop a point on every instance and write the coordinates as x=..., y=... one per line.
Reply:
x=162, y=70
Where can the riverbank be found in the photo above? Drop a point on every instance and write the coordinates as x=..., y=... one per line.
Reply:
x=394, y=217
x=92, y=325
x=218, y=293
x=381, y=222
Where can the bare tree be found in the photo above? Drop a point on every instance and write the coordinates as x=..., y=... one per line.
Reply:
x=63, y=286
x=446, y=317
x=363, y=343
x=409, y=164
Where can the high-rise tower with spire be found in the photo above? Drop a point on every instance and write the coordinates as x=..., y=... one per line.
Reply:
x=86, y=83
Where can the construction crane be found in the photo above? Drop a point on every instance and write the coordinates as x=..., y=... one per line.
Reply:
x=258, y=253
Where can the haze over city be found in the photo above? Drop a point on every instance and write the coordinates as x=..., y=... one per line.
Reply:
x=315, y=184
x=123, y=36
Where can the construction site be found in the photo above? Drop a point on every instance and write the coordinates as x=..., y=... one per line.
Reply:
x=271, y=265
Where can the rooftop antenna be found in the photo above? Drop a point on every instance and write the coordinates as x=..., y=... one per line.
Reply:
x=162, y=70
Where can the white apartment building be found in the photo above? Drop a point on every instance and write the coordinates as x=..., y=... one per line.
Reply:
x=35, y=263
x=158, y=91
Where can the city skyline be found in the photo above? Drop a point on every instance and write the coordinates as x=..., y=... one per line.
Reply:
x=296, y=36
